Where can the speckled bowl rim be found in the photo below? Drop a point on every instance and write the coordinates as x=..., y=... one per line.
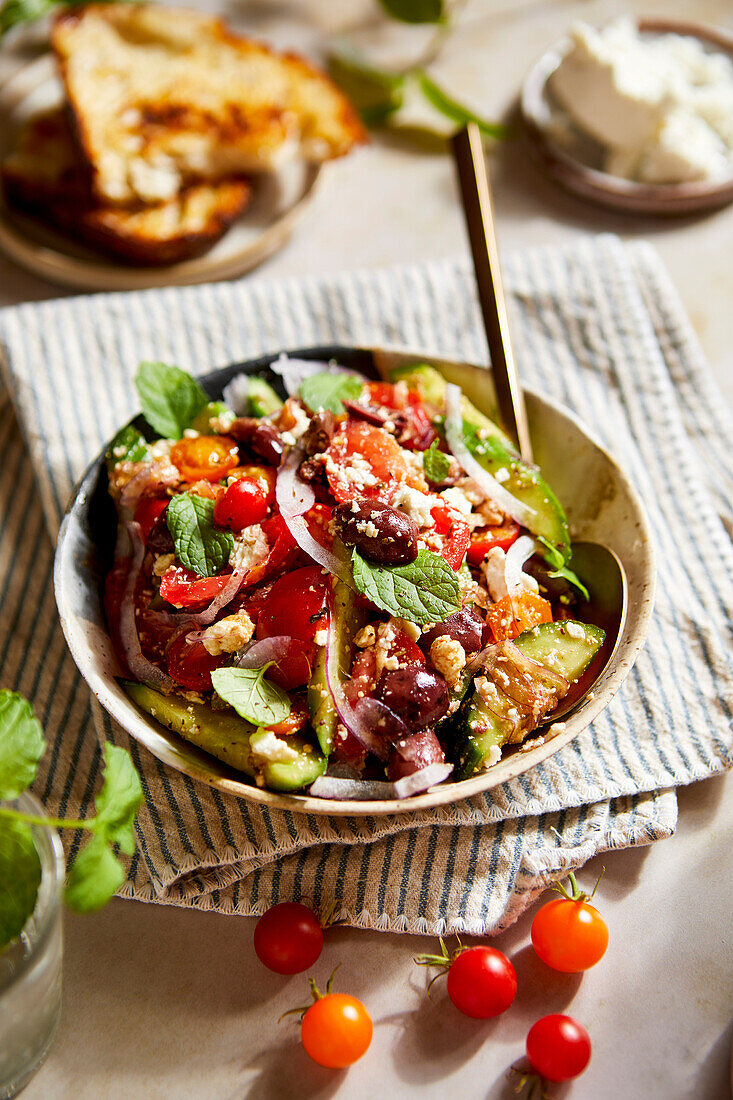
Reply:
x=74, y=585
x=669, y=199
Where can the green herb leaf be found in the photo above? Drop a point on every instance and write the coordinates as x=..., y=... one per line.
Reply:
x=376, y=94
x=129, y=445
x=170, y=398
x=95, y=876
x=21, y=744
x=119, y=799
x=14, y=12
x=415, y=11
x=425, y=591
x=20, y=877
x=199, y=545
x=456, y=111
x=436, y=465
x=554, y=557
x=329, y=391
x=253, y=697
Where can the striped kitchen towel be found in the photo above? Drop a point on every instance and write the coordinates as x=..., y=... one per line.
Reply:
x=598, y=327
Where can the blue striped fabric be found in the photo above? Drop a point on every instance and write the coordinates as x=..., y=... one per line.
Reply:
x=598, y=327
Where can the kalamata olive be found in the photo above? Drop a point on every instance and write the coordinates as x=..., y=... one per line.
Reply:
x=366, y=412
x=417, y=695
x=319, y=432
x=465, y=627
x=411, y=754
x=381, y=534
x=258, y=436
x=160, y=540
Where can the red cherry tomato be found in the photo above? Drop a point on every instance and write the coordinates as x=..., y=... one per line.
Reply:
x=569, y=935
x=456, y=532
x=482, y=982
x=318, y=519
x=190, y=664
x=296, y=606
x=487, y=538
x=382, y=453
x=147, y=512
x=264, y=474
x=205, y=457
x=243, y=503
x=288, y=938
x=182, y=588
x=558, y=1048
x=336, y=1030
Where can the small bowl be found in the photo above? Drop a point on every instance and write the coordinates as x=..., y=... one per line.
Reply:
x=601, y=505
x=576, y=172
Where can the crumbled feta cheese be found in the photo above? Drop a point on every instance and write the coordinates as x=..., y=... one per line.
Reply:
x=412, y=630
x=574, y=630
x=502, y=475
x=190, y=433
x=288, y=437
x=321, y=636
x=269, y=749
x=223, y=422
x=367, y=636
x=229, y=634
x=161, y=448
x=415, y=504
x=162, y=563
x=368, y=528
x=448, y=658
x=385, y=640
x=350, y=472
x=457, y=499
x=493, y=571
x=250, y=548
x=301, y=418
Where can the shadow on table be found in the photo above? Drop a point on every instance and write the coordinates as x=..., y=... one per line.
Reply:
x=286, y=1071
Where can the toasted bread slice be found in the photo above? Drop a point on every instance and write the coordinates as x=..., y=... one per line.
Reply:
x=161, y=96
x=45, y=176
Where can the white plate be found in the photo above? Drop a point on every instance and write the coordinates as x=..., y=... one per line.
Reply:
x=278, y=201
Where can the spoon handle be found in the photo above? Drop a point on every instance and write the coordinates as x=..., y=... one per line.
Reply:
x=478, y=208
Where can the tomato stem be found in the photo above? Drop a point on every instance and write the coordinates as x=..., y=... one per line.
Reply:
x=577, y=894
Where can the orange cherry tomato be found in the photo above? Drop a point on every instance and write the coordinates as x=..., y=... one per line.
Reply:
x=294, y=722
x=336, y=1030
x=510, y=615
x=205, y=457
x=487, y=538
x=569, y=935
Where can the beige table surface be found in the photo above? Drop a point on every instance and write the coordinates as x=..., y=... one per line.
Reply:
x=166, y=1003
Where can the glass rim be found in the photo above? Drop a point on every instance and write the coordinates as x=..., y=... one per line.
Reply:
x=48, y=903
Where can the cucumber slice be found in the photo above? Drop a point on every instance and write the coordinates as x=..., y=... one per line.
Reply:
x=321, y=705
x=565, y=647
x=262, y=398
x=227, y=737
x=494, y=451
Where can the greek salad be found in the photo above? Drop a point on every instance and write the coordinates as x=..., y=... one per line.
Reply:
x=357, y=587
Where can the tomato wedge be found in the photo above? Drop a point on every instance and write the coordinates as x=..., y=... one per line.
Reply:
x=296, y=606
x=487, y=538
x=190, y=664
x=456, y=532
x=205, y=457
x=364, y=461
x=147, y=512
x=182, y=588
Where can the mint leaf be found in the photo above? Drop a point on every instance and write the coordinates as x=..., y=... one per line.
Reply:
x=455, y=111
x=415, y=11
x=170, y=398
x=200, y=546
x=329, y=391
x=95, y=876
x=21, y=744
x=253, y=697
x=129, y=445
x=20, y=877
x=425, y=591
x=119, y=799
x=435, y=464
x=555, y=558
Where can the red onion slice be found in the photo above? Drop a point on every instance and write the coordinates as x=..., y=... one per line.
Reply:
x=261, y=652
x=371, y=790
x=161, y=472
x=227, y=594
x=294, y=371
x=522, y=513
x=235, y=394
x=422, y=780
x=294, y=497
x=140, y=667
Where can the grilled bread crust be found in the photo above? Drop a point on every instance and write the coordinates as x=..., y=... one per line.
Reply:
x=161, y=96
x=45, y=176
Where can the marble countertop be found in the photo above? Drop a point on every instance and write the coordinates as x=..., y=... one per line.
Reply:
x=168, y=1003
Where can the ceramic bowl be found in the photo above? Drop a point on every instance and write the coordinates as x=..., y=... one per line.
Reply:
x=601, y=505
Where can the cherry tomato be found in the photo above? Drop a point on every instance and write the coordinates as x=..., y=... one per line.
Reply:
x=457, y=535
x=569, y=935
x=336, y=1030
x=190, y=664
x=383, y=454
x=296, y=606
x=487, y=538
x=482, y=982
x=243, y=503
x=294, y=722
x=416, y=432
x=318, y=519
x=288, y=938
x=182, y=588
x=510, y=615
x=205, y=457
x=558, y=1047
x=382, y=393
x=264, y=474
x=147, y=512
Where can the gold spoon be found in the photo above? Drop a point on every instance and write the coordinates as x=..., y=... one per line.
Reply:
x=597, y=564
